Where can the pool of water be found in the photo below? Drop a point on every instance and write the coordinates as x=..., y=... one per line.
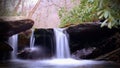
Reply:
x=57, y=63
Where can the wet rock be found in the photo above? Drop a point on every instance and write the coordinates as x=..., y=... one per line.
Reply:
x=5, y=51
x=111, y=56
x=33, y=53
x=105, y=46
x=83, y=35
x=45, y=38
x=24, y=39
x=9, y=27
x=83, y=53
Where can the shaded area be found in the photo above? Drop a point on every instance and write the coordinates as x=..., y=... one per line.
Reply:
x=5, y=51
x=46, y=39
x=88, y=41
x=43, y=47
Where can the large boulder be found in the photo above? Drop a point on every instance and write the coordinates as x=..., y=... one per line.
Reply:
x=99, y=48
x=11, y=25
x=83, y=34
x=88, y=41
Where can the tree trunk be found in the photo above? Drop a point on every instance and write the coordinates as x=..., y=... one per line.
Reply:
x=34, y=9
x=17, y=6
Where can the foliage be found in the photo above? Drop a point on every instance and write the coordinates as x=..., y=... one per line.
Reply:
x=110, y=11
x=91, y=11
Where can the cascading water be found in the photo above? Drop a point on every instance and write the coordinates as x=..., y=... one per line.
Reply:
x=62, y=54
x=32, y=40
x=13, y=41
x=62, y=50
x=62, y=45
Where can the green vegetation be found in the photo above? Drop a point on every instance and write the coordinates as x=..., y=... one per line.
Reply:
x=92, y=11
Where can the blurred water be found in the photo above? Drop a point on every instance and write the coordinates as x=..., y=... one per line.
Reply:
x=32, y=39
x=62, y=45
x=57, y=63
x=13, y=41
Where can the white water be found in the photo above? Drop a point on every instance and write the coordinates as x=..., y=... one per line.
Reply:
x=13, y=41
x=62, y=55
x=62, y=45
x=32, y=40
x=62, y=49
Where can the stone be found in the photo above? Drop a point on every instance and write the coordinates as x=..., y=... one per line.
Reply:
x=24, y=39
x=89, y=41
x=5, y=51
x=83, y=53
x=43, y=46
x=83, y=35
x=33, y=53
x=10, y=26
x=45, y=38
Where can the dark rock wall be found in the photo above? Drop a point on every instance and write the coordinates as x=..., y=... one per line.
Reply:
x=88, y=41
x=5, y=51
x=82, y=35
x=45, y=38
x=44, y=45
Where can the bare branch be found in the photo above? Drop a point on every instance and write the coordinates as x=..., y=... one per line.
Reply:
x=23, y=8
x=34, y=9
x=17, y=6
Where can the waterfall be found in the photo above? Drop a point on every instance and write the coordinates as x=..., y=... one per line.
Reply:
x=62, y=45
x=32, y=39
x=13, y=41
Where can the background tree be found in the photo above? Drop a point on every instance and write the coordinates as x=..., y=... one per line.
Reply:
x=34, y=9
x=17, y=7
x=92, y=11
